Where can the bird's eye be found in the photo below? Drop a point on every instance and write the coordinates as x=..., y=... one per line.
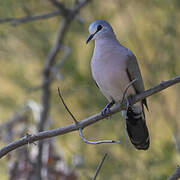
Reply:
x=99, y=27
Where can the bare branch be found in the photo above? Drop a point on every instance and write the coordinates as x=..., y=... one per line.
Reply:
x=50, y=60
x=62, y=10
x=86, y=122
x=18, y=21
x=163, y=85
x=46, y=83
x=80, y=129
x=68, y=15
x=175, y=175
x=99, y=167
x=76, y=122
x=65, y=11
x=55, y=69
x=79, y=6
x=95, y=142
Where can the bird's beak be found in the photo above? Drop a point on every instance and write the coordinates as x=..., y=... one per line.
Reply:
x=89, y=38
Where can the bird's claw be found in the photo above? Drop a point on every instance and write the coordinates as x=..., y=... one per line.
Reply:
x=106, y=111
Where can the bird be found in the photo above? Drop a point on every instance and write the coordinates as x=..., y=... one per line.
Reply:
x=113, y=67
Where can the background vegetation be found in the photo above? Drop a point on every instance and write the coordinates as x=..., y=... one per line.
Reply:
x=150, y=29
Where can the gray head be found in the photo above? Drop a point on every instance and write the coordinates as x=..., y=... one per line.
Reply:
x=100, y=29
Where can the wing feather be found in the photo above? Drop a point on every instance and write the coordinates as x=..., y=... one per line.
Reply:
x=133, y=72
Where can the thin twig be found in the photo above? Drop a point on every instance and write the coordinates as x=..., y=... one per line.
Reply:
x=59, y=93
x=99, y=167
x=126, y=89
x=65, y=11
x=61, y=11
x=86, y=122
x=79, y=6
x=18, y=21
x=80, y=129
x=95, y=142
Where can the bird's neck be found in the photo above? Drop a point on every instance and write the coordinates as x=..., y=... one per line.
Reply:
x=106, y=43
x=105, y=46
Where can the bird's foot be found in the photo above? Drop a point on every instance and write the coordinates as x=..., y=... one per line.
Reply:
x=106, y=111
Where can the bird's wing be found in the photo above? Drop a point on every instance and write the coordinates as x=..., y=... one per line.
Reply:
x=133, y=72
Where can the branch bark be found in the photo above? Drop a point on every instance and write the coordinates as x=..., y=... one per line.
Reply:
x=86, y=122
x=175, y=175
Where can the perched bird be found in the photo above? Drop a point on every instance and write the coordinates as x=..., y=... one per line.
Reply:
x=113, y=67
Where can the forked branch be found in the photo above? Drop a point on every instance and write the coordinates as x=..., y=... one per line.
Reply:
x=86, y=122
x=80, y=129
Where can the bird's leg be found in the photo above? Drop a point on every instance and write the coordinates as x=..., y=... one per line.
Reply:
x=106, y=109
x=127, y=104
x=129, y=100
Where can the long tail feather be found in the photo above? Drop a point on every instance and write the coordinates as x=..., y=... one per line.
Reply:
x=137, y=129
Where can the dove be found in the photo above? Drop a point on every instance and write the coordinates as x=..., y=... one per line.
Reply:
x=113, y=68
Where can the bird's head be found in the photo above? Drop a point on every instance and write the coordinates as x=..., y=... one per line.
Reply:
x=100, y=29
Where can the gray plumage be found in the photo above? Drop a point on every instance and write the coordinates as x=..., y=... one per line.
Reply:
x=113, y=67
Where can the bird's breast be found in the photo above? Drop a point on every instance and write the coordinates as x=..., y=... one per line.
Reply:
x=111, y=76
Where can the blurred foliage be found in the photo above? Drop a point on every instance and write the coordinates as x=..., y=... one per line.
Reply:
x=150, y=29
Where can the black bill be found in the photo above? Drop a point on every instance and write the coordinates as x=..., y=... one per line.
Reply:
x=89, y=38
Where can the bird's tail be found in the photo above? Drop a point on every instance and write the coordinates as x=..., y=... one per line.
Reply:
x=136, y=127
